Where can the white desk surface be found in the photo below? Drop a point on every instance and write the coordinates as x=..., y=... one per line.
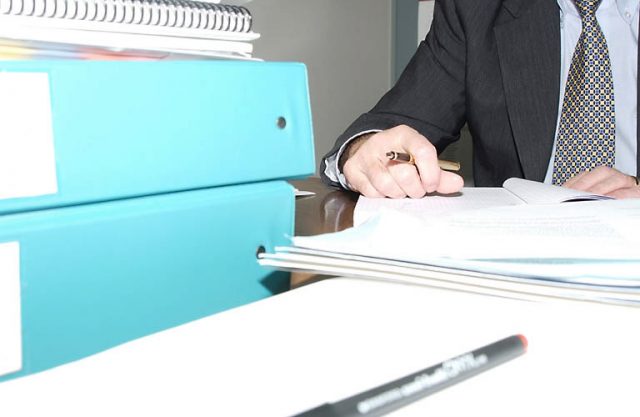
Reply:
x=334, y=338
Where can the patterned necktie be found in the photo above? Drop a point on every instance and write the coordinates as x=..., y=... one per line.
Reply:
x=586, y=135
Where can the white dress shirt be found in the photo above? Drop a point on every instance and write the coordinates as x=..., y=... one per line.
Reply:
x=618, y=20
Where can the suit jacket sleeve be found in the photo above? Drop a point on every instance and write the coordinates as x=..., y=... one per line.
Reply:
x=430, y=94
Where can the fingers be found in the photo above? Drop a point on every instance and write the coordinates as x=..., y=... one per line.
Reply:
x=407, y=179
x=358, y=181
x=371, y=173
x=433, y=178
x=450, y=183
x=426, y=160
x=601, y=180
x=384, y=179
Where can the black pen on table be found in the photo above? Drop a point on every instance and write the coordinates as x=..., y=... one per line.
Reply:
x=393, y=395
x=407, y=157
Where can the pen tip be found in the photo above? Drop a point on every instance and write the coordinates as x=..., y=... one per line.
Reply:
x=525, y=342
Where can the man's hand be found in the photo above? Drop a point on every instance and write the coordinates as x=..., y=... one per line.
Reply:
x=606, y=181
x=368, y=170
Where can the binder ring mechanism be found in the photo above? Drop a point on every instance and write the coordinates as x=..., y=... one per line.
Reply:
x=261, y=249
x=186, y=14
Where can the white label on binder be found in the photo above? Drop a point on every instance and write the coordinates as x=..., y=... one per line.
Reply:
x=27, y=160
x=10, y=316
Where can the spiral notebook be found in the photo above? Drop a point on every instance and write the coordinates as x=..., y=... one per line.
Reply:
x=155, y=26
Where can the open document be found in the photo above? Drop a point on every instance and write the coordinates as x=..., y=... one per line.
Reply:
x=514, y=192
x=586, y=249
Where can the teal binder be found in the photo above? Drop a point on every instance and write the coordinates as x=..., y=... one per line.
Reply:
x=127, y=129
x=98, y=275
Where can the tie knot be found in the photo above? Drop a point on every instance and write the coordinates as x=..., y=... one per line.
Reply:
x=587, y=7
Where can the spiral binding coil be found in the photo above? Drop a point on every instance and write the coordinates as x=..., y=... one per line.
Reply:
x=167, y=13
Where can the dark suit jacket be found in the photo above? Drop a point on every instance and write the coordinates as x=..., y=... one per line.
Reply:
x=494, y=64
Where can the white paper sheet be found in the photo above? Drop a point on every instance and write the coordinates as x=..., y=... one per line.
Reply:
x=27, y=160
x=436, y=205
x=10, y=319
x=532, y=192
x=335, y=338
x=515, y=191
x=591, y=230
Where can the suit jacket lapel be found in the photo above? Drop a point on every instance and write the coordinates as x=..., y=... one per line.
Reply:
x=528, y=40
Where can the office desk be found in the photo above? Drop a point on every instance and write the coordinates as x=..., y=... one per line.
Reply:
x=329, y=210
x=333, y=338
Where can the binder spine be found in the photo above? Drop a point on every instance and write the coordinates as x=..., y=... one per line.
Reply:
x=166, y=13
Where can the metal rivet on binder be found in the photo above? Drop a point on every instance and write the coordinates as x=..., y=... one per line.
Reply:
x=282, y=122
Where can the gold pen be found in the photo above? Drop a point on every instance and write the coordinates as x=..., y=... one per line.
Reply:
x=407, y=157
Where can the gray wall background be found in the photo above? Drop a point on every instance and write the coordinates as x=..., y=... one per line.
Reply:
x=347, y=47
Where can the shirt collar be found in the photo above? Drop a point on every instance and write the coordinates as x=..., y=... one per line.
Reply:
x=626, y=8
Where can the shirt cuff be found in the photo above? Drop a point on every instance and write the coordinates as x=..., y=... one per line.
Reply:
x=332, y=171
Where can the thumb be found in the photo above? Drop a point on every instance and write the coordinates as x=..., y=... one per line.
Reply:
x=450, y=183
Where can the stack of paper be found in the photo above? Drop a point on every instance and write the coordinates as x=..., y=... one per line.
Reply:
x=587, y=250
x=127, y=29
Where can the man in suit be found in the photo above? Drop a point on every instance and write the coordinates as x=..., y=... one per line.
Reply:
x=521, y=74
